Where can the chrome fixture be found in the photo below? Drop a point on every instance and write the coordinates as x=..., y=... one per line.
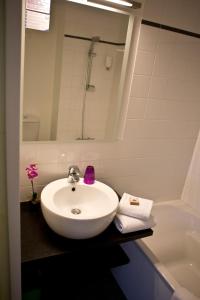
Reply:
x=84, y=38
x=85, y=139
x=91, y=55
x=76, y=211
x=73, y=174
x=94, y=40
x=88, y=85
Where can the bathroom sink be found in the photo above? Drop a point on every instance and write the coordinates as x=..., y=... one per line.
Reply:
x=81, y=213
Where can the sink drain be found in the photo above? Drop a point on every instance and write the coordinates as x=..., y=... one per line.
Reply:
x=76, y=211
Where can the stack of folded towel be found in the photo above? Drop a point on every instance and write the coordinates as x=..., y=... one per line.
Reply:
x=134, y=214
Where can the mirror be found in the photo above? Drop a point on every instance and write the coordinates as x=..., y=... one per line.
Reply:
x=74, y=74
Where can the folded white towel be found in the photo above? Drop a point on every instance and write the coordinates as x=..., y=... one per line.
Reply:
x=141, y=210
x=127, y=224
x=183, y=294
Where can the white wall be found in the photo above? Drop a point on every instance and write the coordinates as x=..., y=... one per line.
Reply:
x=161, y=128
x=191, y=191
x=182, y=14
x=12, y=102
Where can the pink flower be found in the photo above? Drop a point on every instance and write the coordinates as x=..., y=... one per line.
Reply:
x=32, y=171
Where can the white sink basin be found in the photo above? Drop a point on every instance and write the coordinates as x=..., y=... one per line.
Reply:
x=79, y=214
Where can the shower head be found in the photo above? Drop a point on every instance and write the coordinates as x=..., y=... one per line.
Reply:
x=94, y=39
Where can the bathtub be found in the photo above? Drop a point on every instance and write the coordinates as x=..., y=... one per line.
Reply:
x=174, y=248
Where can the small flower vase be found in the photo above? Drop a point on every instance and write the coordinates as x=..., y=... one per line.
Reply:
x=34, y=199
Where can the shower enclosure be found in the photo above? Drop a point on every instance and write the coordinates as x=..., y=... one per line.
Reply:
x=88, y=86
x=92, y=59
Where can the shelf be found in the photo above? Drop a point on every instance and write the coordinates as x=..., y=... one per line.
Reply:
x=39, y=242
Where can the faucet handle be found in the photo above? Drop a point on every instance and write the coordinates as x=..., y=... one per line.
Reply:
x=74, y=170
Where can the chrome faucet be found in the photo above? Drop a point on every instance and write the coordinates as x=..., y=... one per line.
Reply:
x=73, y=174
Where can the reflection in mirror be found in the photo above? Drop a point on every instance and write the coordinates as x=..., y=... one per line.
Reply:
x=74, y=74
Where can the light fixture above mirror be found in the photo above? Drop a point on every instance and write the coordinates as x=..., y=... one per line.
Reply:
x=121, y=2
x=110, y=3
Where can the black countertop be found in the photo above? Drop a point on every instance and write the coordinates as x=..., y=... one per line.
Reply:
x=39, y=242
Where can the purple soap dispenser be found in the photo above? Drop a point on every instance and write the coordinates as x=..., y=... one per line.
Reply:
x=89, y=176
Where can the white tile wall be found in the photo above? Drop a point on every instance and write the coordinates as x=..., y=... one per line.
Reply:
x=191, y=191
x=177, y=13
x=137, y=108
x=140, y=86
x=144, y=63
x=162, y=126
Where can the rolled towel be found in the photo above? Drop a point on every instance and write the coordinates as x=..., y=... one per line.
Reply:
x=135, y=206
x=183, y=294
x=127, y=224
